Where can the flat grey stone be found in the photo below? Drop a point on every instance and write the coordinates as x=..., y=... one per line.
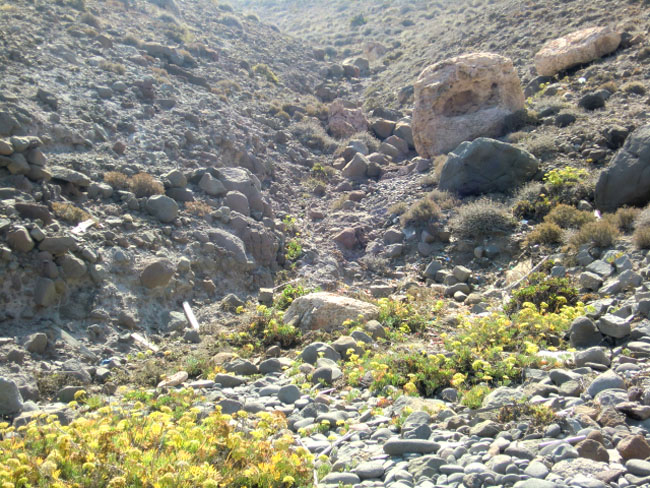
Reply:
x=613, y=326
x=369, y=470
x=397, y=447
x=341, y=478
x=228, y=380
x=638, y=467
x=606, y=381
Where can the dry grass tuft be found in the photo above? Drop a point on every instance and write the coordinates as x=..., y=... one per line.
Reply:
x=69, y=212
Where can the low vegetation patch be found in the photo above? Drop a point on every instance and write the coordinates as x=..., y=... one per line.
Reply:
x=487, y=351
x=146, y=439
x=548, y=293
x=264, y=70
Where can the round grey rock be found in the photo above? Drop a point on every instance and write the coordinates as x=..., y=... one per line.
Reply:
x=11, y=401
x=289, y=394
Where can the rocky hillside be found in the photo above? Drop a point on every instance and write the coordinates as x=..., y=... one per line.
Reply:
x=279, y=243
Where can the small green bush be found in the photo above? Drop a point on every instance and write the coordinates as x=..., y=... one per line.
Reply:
x=563, y=177
x=548, y=293
x=358, y=20
x=264, y=70
x=289, y=294
x=486, y=350
x=152, y=439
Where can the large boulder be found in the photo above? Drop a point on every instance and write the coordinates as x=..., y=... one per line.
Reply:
x=462, y=98
x=327, y=311
x=163, y=208
x=627, y=180
x=486, y=165
x=343, y=121
x=11, y=401
x=243, y=181
x=577, y=48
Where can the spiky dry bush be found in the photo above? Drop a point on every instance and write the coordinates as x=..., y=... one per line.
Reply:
x=545, y=233
x=482, y=218
x=198, y=208
x=69, y=212
x=145, y=185
x=568, y=217
x=117, y=179
x=601, y=233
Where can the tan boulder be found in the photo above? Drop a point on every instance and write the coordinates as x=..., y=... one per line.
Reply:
x=343, y=121
x=462, y=98
x=327, y=311
x=576, y=48
x=373, y=50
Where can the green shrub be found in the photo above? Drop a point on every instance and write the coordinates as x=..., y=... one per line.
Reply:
x=568, y=217
x=485, y=350
x=401, y=316
x=358, y=20
x=264, y=70
x=267, y=325
x=293, y=250
x=150, y=439
x=548, y=293
x=473, y=398
x=289, y=294
x=480, y=219
x=565, y=177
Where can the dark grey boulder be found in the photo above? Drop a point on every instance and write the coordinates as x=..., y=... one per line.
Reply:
x=627, y=180
x=485, y=166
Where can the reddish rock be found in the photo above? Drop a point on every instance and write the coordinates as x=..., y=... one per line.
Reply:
x=633, y=447
x=347, y=238
x=593, y=450
x=344, y=122
x=119, y=147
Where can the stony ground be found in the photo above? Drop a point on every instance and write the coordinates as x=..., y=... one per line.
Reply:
x=166, y=159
